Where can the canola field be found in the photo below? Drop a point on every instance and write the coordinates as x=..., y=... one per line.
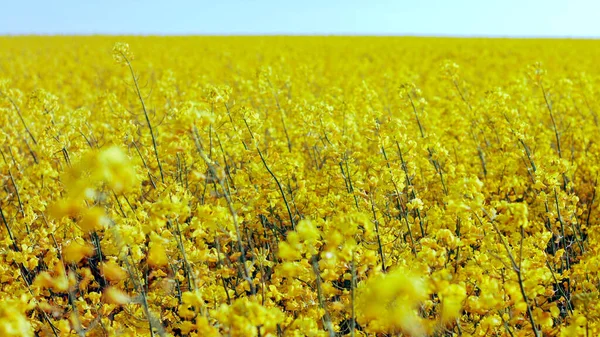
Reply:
x=299, y=186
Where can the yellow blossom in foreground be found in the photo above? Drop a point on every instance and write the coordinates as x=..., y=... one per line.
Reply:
x=248, y=318
x=93, y=219
x=13, y=319
x=157, y=256
x=113, y=272
x=113, y=295
x=56, y=281
x=391, y=301
x=452, y=301
x=75, y=251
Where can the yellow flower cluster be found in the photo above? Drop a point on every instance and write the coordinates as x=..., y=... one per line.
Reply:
x=299, y=186
x=13, y=319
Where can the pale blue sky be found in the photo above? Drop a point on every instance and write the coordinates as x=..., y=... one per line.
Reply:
x=564, y=18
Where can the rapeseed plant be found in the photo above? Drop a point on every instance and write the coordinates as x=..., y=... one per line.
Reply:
x=268, y=186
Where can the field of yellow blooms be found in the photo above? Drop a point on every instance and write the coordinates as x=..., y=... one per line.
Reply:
x=299, y=186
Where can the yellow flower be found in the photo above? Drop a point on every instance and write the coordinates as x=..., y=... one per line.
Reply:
x=93, y=219
x=267, y=186
x=58, y=283
x=391, y=300
x=121, y=53
x=452, y=301
x=157, y=256
x=113, y=295
x=114, y=168
x=75, y=251
x=65, y=207
x=113, y=272
x=13, y=318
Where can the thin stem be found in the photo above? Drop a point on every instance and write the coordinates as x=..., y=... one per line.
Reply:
x=285, y=130
x=411, y=186
x=462, y=96
x=139, y=94
x=21, y=210
x=287, y=206
x=516, y=268
x=16, y=107
x=549, y=107
x=326, y=318
x=353, y=290
x=398, y=205
x=232, y=211
x=379, y=245
x=10, y=233
x=144, y=163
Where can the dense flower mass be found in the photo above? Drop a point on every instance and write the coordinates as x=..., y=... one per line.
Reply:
x=299, y=186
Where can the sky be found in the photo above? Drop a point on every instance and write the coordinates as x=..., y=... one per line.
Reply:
x=506, y=18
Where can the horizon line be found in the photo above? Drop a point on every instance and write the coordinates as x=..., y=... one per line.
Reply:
x=400, y=35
